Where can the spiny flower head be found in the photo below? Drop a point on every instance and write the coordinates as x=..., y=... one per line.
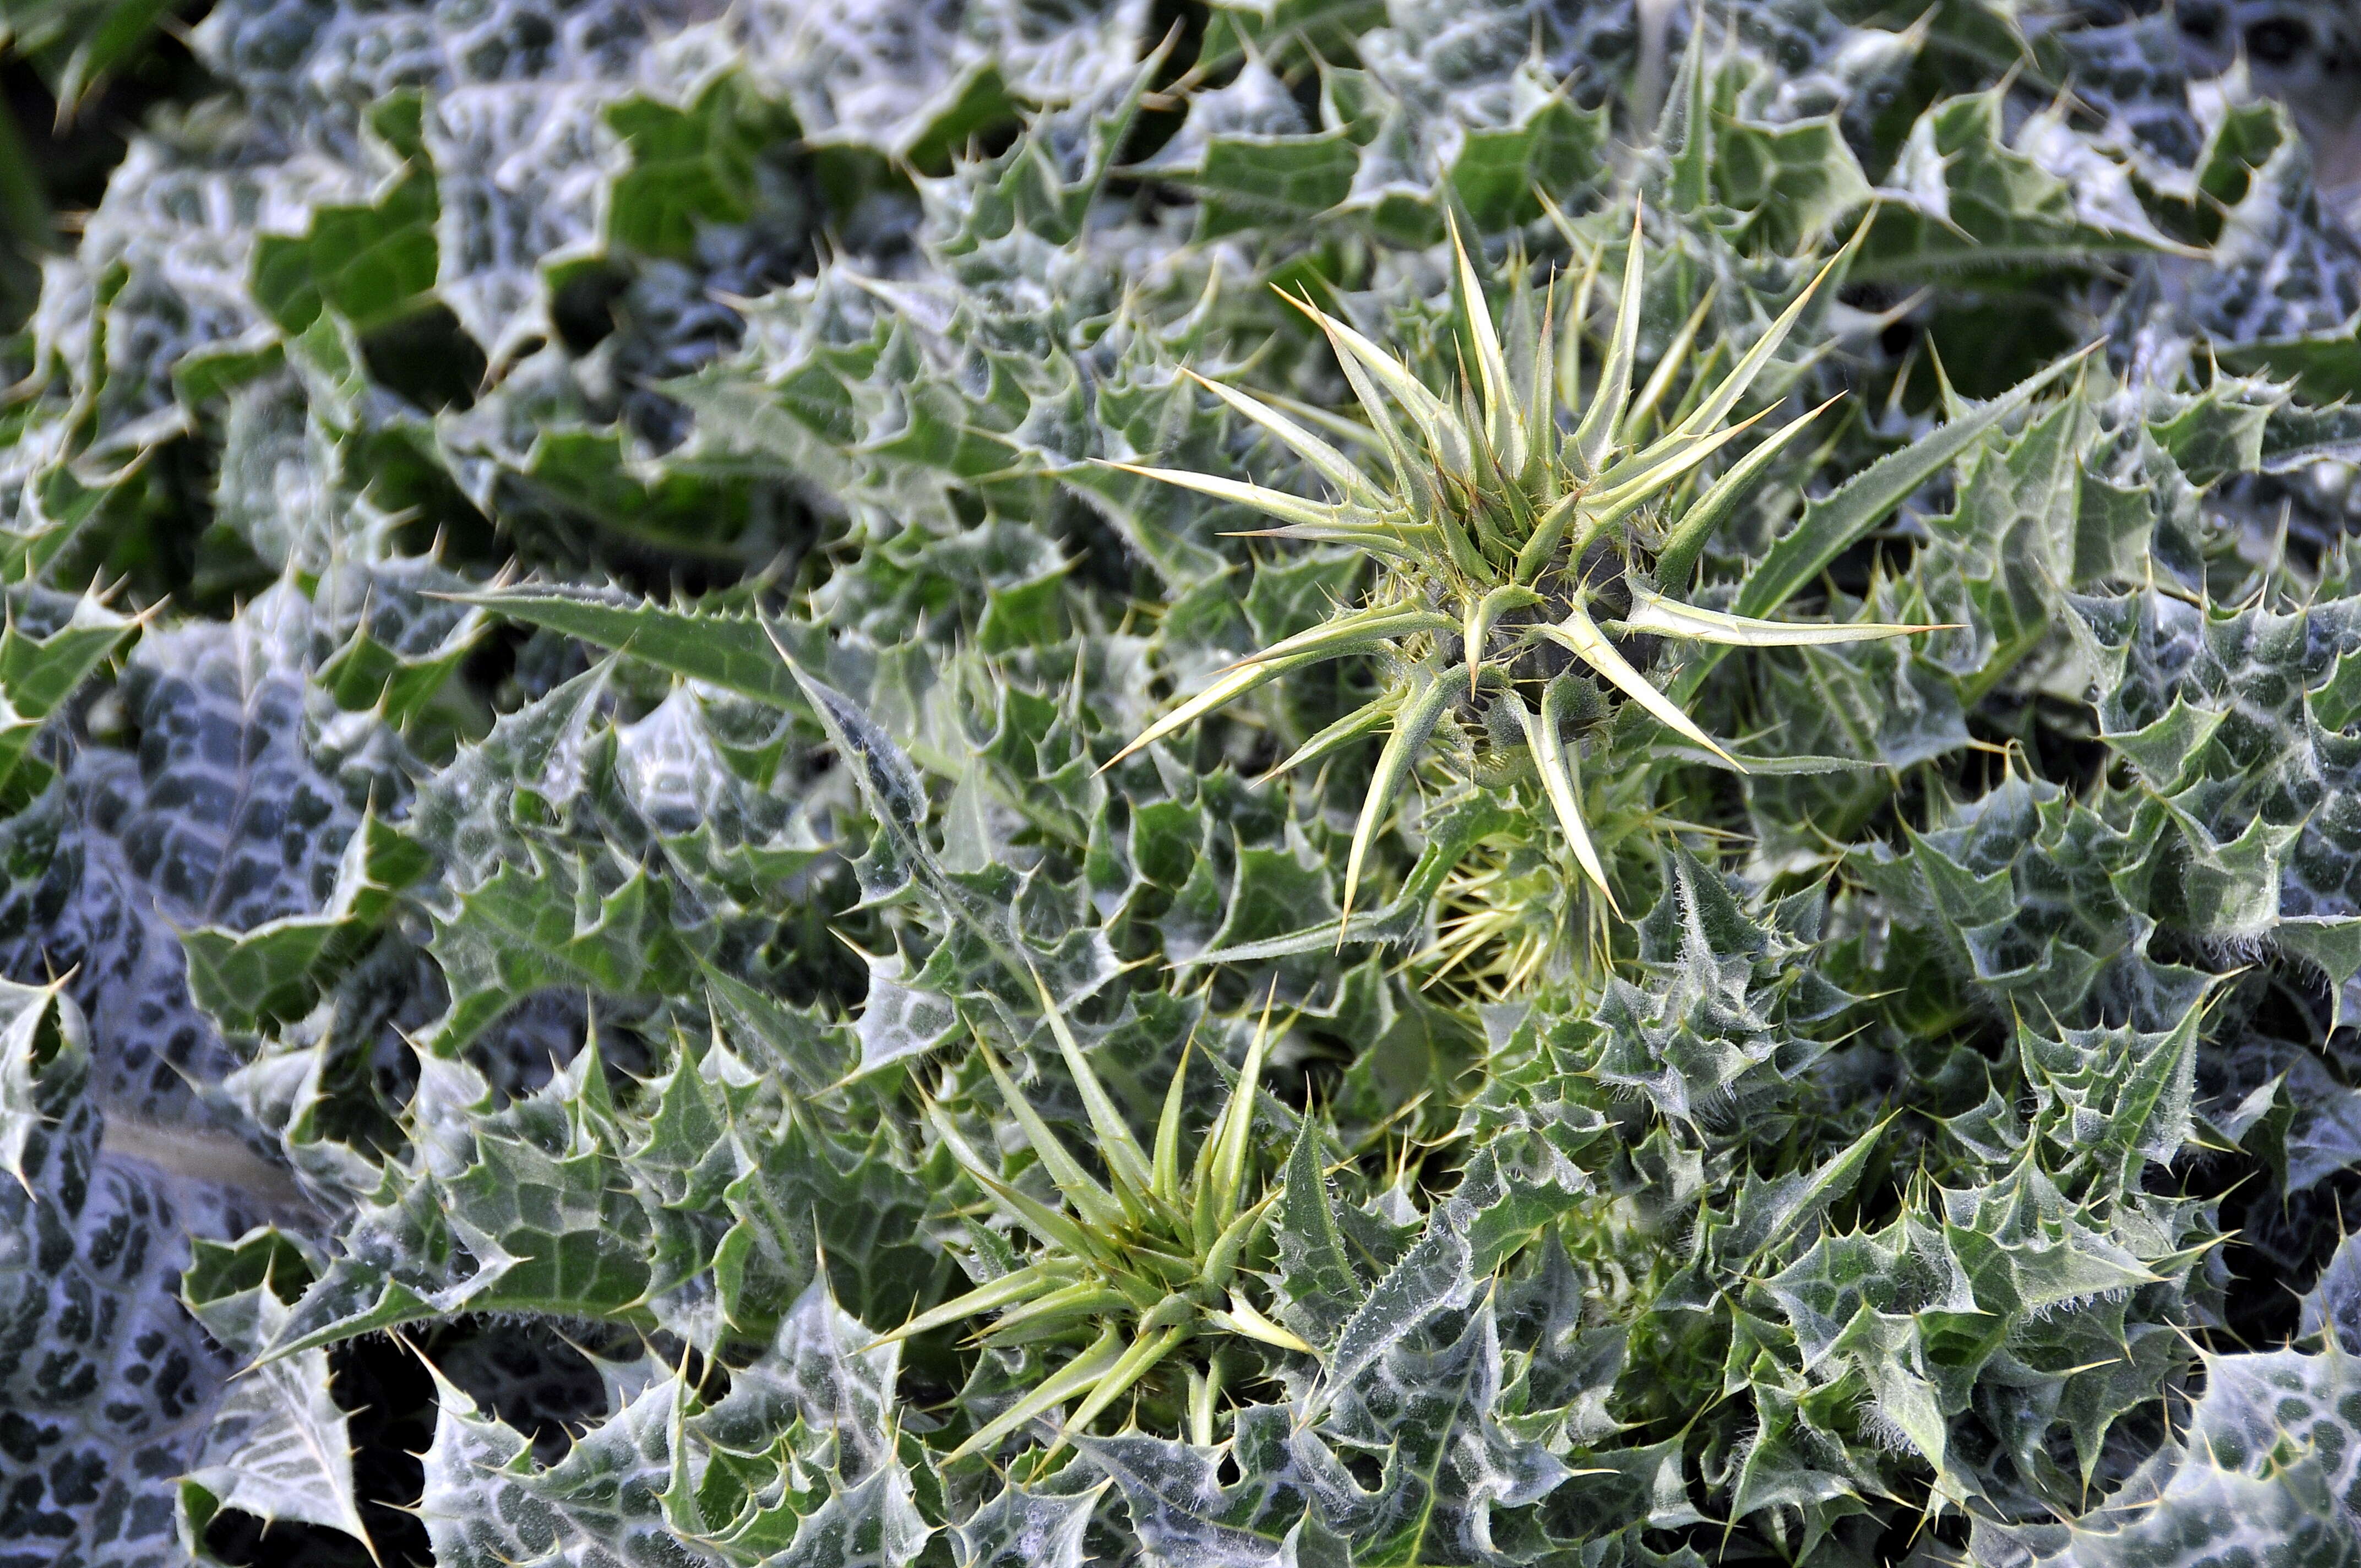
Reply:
x=1136, y=1265
x=1517, y=523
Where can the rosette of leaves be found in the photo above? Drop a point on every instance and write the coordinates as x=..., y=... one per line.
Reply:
x=1528, y=527
x=1132, y=1269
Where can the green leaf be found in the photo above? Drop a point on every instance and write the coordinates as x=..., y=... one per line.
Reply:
x=2326, y=366
x=1559, y=147
x=691, y=167
x=40, y=670
x=1317, y=1286
x=280, y=1446
x=1426, y=1410
x=1248, y=181
x=2263, y=1473
x=123, y=29
x=791, y=1040
x=802, y=1193
x=524, y=1210
x=370, y=264
x=1180, y=1507
x=2220, y=430
x=1021, y=1527
x=275, y=971
x=1969, y=193
x=872, y=1524
x=1832, y=523
x=588, y=923
x=485, y=1503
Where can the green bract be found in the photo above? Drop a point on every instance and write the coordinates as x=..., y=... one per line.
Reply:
x=1157, y=1248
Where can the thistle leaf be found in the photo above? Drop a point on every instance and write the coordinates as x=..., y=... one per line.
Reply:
x=1716, y=407
x=1408, y=479
x=1317, y=1288
x=1053, y=1314
x=1036, y=1279
x=1350, y=633
x=1244, y=1318
x=1481, y=615
x=1651, y=474
x=1549, y=532
x=1401, y=543
x=1135, y=1364
x=1832, y=525
x=1228, y=1139
x=1052, y=1227
x=1539, y=372
x=1674, y=360
x=1166, y=1165
x=732, y=651
x=1568, y=357
x=1021, y=1528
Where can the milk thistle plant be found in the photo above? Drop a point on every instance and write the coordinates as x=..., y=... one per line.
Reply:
x=643, y=916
